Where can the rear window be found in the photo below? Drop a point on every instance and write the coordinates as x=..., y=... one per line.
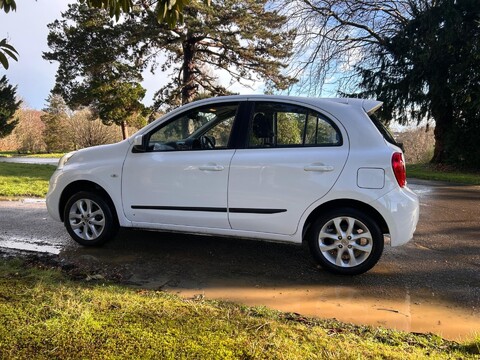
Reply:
x=387, y=135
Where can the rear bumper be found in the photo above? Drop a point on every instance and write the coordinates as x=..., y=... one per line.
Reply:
x=400, y=208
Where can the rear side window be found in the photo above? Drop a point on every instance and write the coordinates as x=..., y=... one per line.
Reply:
x=285, y=125
x=387, y=135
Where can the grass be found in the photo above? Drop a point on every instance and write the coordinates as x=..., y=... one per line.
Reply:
x=442, y=173
x=45, y=315
x=24, y=180
x=43, y=155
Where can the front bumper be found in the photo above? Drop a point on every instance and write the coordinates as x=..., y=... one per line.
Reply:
x=53, y=196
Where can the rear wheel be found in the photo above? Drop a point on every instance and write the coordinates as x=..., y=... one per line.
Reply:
x=346, y=241
x=89, y=219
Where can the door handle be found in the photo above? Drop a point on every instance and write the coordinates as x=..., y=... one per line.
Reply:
x=211, y=167
x=319, y=168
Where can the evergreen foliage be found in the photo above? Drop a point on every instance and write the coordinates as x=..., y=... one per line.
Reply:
x=421, y=57
x=8, y=106
x=431, y=68
x=243, y=39
x=55, y=120
x=101, y=62
x=96, y=69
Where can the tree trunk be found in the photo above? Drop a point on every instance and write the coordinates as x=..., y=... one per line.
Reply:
x=189, y=89
x=439, y=150
x=442, y=112
x=124, y=129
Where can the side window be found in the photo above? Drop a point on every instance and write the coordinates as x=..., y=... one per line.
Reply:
x=319, y=131
x=284, y=125
x=199, y=129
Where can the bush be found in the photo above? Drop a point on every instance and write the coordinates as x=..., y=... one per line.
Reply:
x=37, y=132
x=418, y=144
x=84, y=132
x=27, y=137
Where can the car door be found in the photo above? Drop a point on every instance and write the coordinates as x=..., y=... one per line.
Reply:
x=181, y=177
x=292, y=157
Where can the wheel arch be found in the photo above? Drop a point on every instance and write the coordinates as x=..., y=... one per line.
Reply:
x=85, y=185
x=338, y=203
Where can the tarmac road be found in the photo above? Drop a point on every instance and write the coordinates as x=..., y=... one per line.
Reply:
x=432, y=284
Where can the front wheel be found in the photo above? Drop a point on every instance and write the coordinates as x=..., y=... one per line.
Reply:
x=346, y=241
x=89, y=220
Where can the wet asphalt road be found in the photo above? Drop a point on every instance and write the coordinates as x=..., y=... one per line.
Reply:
x=430, y=284
x=27, y=160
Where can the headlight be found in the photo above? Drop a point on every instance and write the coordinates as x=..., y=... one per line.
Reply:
x=63, y=161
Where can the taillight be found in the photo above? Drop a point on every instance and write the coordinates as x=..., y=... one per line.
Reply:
x=398, y=166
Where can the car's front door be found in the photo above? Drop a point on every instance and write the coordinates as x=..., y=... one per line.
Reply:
x=292, y=158
x=182, y=177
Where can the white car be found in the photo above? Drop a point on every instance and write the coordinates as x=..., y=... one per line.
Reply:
x=275, y=168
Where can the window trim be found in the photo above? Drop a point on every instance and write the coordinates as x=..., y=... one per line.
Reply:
x=309, y=110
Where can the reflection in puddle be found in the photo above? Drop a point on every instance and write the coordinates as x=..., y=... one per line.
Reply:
x=422, y=190
x=349, y=305
x=18, y=243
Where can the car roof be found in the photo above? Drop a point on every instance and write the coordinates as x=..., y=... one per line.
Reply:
x=368, y=105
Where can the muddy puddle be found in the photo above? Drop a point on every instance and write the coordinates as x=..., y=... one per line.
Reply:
x=406, y=313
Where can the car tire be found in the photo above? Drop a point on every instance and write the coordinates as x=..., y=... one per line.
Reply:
x=346, y=241
x=89, y=219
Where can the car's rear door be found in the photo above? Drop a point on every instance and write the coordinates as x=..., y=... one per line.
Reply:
x=292, y=157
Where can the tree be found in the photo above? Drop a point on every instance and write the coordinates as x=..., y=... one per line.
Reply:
x=430, y=68
x=244, y=39
x=168, y=11
x=417, y=56
x=84, y=130
x=8, y=106
x=56, y=121
x=96, y=69
x=29, y=132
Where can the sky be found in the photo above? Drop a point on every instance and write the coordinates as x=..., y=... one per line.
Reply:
x=26, y=29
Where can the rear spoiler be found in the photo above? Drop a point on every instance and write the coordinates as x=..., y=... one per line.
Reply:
x=368, y=105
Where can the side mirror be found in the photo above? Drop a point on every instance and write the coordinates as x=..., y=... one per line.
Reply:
x=139, y=144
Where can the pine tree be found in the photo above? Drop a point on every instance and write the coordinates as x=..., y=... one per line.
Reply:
x=8, y=106
x=96, y=69
x=55, y=120
x=420, y=57
x=243, y=39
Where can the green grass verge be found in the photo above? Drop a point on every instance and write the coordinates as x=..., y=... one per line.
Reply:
x=442, y=173
x=43, y=156
x=24, y=180
x=44, y=315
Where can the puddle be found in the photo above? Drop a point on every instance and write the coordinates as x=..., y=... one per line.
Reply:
x=420, y=191
x=17, y=243
x=34, y=201
x=349, y=305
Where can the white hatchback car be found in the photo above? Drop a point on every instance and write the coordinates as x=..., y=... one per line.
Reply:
x=274, y=168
